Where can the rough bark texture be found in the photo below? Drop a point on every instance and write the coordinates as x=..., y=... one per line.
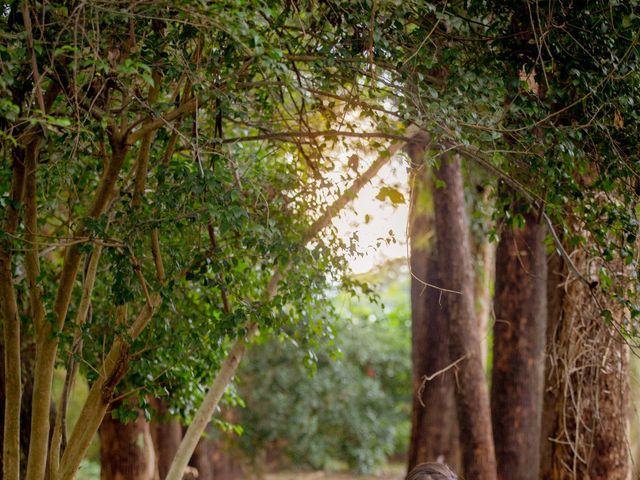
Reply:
x=589, y=375
x=518, y=346
x=126, y=450
x=456, y=270
x=434, y=424
x=166, y=434
x=556, y=272
x=11, y=331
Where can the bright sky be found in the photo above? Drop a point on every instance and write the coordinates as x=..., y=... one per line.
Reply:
x=384, y=216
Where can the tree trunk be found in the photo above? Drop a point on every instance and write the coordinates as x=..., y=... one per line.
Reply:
x=226, y=465
x=556, y=273
x=11, y=330
x=212, y=457
x=166, y=434
x=589, y=375
x=456, y=275
x=434, y=424
x=485, y=263
x=518, y=343
x=202, y=459
x=126, y=450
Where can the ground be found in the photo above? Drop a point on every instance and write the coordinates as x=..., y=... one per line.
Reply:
x=390, y=472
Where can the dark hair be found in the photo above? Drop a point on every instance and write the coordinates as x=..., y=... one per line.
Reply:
x=431, y=471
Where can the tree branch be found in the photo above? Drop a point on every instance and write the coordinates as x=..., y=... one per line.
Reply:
x=187, y=107
x=286, y=136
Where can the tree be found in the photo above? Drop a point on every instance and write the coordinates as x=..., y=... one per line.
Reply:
x=518, y=347
x=166, y=434
x=164, y=177
x=456, y=280
x=585, y=435
x=126, y=449
x=151, y=124
x=434, y=429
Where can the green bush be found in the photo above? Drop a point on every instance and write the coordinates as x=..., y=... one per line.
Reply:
x=346, y=401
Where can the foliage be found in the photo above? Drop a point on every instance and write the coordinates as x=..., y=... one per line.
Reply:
x=205, y=135
x=350, y=403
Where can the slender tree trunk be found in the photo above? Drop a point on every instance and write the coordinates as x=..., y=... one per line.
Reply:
x=126, y=450
x=11, y=331
x=518, y=343
x=456, y=270
x=166, y=433
x=434, y=424
x=589, y=375
x=485, y=263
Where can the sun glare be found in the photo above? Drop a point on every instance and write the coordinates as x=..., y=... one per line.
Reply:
x=373, y=219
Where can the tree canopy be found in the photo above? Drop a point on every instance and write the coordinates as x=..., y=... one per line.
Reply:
x=170, y=169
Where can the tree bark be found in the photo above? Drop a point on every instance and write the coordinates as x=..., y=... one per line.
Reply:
x=588, y=374
x=556, y=273
x=202, y=459
x=456, y=270
x=166, y=433
x=126, y=450
x=434, y=424
x=485, y=263
x=518, y=343
x=11, y=331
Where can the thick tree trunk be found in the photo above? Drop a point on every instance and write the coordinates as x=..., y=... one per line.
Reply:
x=518, y=343
x=225, y=463
x=166, y=434
x=456, y=275
x=126, y=450
x=588, y=376
x=418, y=254
x=434, y=424
x=202, y=459
x=556, y=273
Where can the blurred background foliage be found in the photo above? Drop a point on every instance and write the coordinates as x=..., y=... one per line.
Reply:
x=344, y=402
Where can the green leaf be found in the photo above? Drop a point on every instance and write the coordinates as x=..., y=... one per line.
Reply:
x=396, y=197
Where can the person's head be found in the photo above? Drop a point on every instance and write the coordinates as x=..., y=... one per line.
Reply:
x=431, y=471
